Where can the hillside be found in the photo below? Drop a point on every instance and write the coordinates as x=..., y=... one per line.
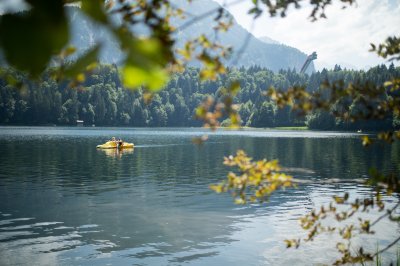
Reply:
x=102, y=101
x=269, y=55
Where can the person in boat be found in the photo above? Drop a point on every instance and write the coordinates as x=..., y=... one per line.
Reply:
x=119, y=143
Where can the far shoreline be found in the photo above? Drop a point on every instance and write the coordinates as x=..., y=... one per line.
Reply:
x=288, y=128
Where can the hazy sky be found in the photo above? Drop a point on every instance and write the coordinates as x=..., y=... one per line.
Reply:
x=343, y=38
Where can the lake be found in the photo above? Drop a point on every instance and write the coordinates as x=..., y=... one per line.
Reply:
x=63, y=202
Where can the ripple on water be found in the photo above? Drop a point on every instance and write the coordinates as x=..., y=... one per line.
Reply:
x=153, y=206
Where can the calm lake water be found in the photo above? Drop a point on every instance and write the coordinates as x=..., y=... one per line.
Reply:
x=63, y=202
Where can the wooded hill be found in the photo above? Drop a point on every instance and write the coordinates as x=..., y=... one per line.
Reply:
x=102, y=101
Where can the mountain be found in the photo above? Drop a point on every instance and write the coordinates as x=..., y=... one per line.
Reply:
x=271, y=55
x=267, y=39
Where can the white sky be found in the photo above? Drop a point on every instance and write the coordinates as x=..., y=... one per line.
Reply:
x=343, y=38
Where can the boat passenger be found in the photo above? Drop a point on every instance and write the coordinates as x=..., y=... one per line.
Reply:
x=119, y=144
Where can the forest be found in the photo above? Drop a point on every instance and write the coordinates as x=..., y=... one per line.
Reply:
x=101, y=99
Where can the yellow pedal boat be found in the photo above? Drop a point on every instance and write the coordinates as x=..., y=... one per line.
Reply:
x=113, y=145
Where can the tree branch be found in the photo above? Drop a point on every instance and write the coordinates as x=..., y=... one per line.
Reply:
x=386, y=214
x=244, y=45
x=387, y=247
x=206, y=14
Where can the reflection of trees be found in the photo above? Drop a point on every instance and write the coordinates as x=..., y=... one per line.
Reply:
x=328, y=157
x=148, y=197
x=177, y=162
x=160, y=192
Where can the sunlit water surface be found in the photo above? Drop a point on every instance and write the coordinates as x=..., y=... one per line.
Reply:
x=63, y=202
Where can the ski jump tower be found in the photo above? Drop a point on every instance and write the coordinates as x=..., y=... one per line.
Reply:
x=308, y=61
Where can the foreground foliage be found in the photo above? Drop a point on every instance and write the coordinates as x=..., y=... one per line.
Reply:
x=260, y=178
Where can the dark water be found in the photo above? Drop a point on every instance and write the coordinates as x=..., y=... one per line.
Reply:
x=62, y=202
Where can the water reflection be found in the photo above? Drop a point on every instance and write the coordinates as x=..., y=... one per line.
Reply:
x=116, y=153
x=64, y=202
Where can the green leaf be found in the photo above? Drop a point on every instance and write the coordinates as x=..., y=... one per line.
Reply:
x=95, y=9
x=341, y=247
x=217, y=188
x=201, y=111
x=234, y=87
x=366, y=141
x=144, y=51
x=68, y=51
x=240, y=201
x=235, y=120
x=134, y=76
x=80, y=65
x=145, y=63
x=30, y=39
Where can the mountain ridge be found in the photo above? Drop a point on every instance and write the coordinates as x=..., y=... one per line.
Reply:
x=85, y=33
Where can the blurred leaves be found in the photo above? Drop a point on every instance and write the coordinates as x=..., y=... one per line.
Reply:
x=343, y=209
x=390, y=183
x=95, y=10
x=211, y=110
x=46, y=30
x=134, y=76
x=389, y=49
x=200, y=140
x=366, y=141
x=83, y=62
x=372, y=102
x=292, y=243
x=252, y=180
x=280, y=7
x=210, y=54
x=29, y=39
x=350, y=102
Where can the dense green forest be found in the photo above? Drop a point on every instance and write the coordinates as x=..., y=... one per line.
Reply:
x=102, y=101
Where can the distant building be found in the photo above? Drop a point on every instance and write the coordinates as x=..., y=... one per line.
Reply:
x=79, y=123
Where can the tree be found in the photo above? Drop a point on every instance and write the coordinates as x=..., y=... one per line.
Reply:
x=320, y=120
x=264, y=116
